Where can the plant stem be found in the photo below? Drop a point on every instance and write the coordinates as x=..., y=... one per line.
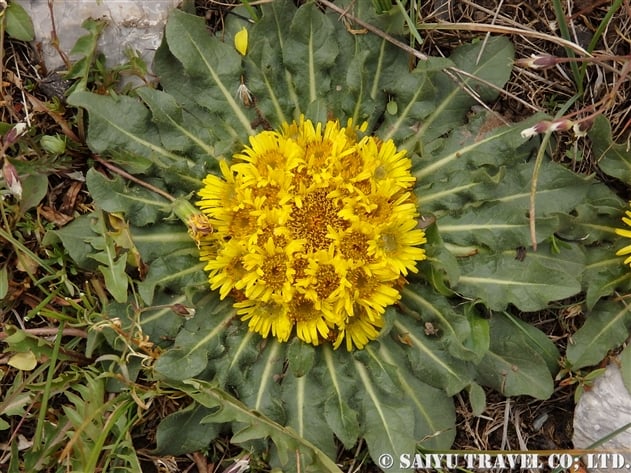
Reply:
x=533, y=188
x=39, y=429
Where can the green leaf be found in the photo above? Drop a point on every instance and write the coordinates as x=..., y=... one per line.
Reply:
x=162, y=322
x=35, y=189
x=116, y=195
x=76, y=237
x=261, y=390
x=450, y=326
x=612, y=158
x=172, y=271
x=531, y=284
x=114, y=264
x=480, y=338
x=433, y=409
x=200, y=338
x=499, y=217
x=267, y=78
x=309, y=52
x=183, y=431
x=214, y=66
x=335, y=376
x=607, y=326
x=116, y=280
x=4, y=281
x=122, y=123
x=162, y=239
x=429, y=358
x=388, y=422
x=538, y=341
x=300, y=356
x=255, y=425
x=511, y=366
x=176, y=133
x=604, y=273
x=488, y=60
x=303, y=401
x=477, y=399
x=18, y=23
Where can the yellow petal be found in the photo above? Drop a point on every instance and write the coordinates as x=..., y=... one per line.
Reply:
x=241, y=41
x=623, y=232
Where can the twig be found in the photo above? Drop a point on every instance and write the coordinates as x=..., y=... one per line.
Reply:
x=374, y=30
x=49, y=331
x=132, y=178
x=504, y=30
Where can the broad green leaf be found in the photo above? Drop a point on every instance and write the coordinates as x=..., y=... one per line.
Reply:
x=388, y=422
x=116, y=195
x=261, y=390
x=488, y=60
x=433, y=409
x=607, y=326
x=480, y=338
x=536, y=340
x=613, y=159
x=162, y=239
x=437, y=315
x=309, y=52
x=114, y=263
x=511, y=366
x=256, y=425
x=300, y=357
x=269, y=82
x=176, y=134
x=116, y=280
x=215, y=68
x=340, y=389
x=122, y=123
x=242, y=350
x=303, y=401
x=173, y=271
x=183, y=431
x=483, y=141
x=530, y=284
x=494, y=225
x=429, y=358
x=594, y=219
x=200, y=338
x=76, y=237
x=604, y=273
x=18, y=23
x=162, y=322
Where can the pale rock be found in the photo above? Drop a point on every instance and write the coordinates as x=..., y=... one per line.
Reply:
x=602, y=409
x=135, y=24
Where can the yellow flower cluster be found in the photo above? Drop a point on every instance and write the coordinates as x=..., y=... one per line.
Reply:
x=314, y=227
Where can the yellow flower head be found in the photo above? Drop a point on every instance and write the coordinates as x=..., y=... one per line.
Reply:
x=314, y=227
x=627, y=234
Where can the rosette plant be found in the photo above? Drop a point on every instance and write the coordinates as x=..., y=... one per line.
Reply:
x=363, y=235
